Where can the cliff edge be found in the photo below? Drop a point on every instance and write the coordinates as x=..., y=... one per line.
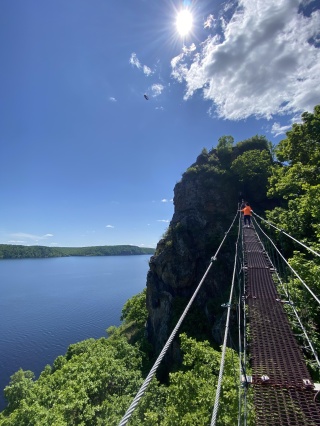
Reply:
x=205, y=202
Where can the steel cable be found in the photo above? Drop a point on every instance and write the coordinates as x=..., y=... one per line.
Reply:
x=296, y=274
x=288, y=235
x=217, y=398
x=148, y=379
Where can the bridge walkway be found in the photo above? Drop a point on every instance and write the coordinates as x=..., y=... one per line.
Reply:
x=283, y=389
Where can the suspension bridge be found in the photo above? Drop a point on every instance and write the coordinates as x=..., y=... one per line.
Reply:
x=283, y=390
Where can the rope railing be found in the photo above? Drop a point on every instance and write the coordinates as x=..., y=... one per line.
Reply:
x=288, y=235
x=224, y=346
x=148, y=379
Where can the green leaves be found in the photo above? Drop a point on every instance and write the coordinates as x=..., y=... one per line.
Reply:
x=96, y=381
x=302, y=144
x=298, y=180
x=93, y=375
x=297, y=183
x=135, y=309
x=252, y=169
x=20, y=387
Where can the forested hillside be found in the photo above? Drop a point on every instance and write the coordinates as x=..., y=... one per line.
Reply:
x=95, y=381
x=8, y=251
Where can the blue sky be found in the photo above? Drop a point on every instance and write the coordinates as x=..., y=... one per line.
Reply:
x=84, y=158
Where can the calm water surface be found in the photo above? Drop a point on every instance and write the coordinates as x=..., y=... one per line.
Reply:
x=48, y=304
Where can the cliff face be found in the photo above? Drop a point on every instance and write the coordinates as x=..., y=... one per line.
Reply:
x=205, y=202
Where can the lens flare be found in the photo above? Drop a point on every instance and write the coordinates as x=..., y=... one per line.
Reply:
x=184, y=22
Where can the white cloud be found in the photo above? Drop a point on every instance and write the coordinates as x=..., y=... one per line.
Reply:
x=134, y=60
x=190, y=49
x=179, y=68
x=263, y=64
x=112, y=99
x=15, y=242
x=163, y=220
x=164, y=200
x=146, y=70
x=136, y=63
x=31, y=236
x=27, y=239
x=209, y=22
x=109, y=226
x=278, y=130
x=156, y=89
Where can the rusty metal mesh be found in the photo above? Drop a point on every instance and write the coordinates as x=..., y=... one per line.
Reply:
x=283, y=388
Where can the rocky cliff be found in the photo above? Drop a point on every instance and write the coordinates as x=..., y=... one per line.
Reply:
x=205, y=202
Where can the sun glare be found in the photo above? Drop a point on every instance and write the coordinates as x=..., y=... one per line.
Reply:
x=184, y=22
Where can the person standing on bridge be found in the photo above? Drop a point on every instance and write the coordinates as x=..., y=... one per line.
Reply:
x=247, y=213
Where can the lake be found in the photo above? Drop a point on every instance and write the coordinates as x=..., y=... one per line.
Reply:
x=48, y=304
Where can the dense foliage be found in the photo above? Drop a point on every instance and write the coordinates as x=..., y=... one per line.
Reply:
x=296, y=181
x=242, y=169
x=8, y=251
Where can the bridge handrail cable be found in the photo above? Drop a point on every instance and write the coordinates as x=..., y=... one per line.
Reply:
x=148, y=379
x=293, y=308
x=288, y=235
x=224, y=346
x=295, y=273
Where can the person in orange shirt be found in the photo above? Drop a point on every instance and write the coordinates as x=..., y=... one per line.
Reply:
x=247, y=213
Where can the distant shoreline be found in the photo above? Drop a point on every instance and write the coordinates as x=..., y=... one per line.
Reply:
x=9, y=251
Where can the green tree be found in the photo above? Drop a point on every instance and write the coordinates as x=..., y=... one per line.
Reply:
x=302, y=144
x=296, y=180
x=252, y=169
x=95, y=377
x=135, y=309
x=257, y=142
x=224, y=150
x=19, y=388
x=191, y=393
x=225, y=143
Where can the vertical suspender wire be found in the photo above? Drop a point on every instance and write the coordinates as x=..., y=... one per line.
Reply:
x=287, y=294
x=244, y=334
x=300, y=322
x=242, y=348
x=240, y=359
x=288, y=264
x=245, y=359
x=288, y=235
x=242, y=370
x=217, y=398
x=148, y=379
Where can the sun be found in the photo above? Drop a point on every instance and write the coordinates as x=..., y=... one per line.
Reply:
x=184, y=22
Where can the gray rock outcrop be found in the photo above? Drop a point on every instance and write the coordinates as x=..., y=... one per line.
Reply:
x=205, y=202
